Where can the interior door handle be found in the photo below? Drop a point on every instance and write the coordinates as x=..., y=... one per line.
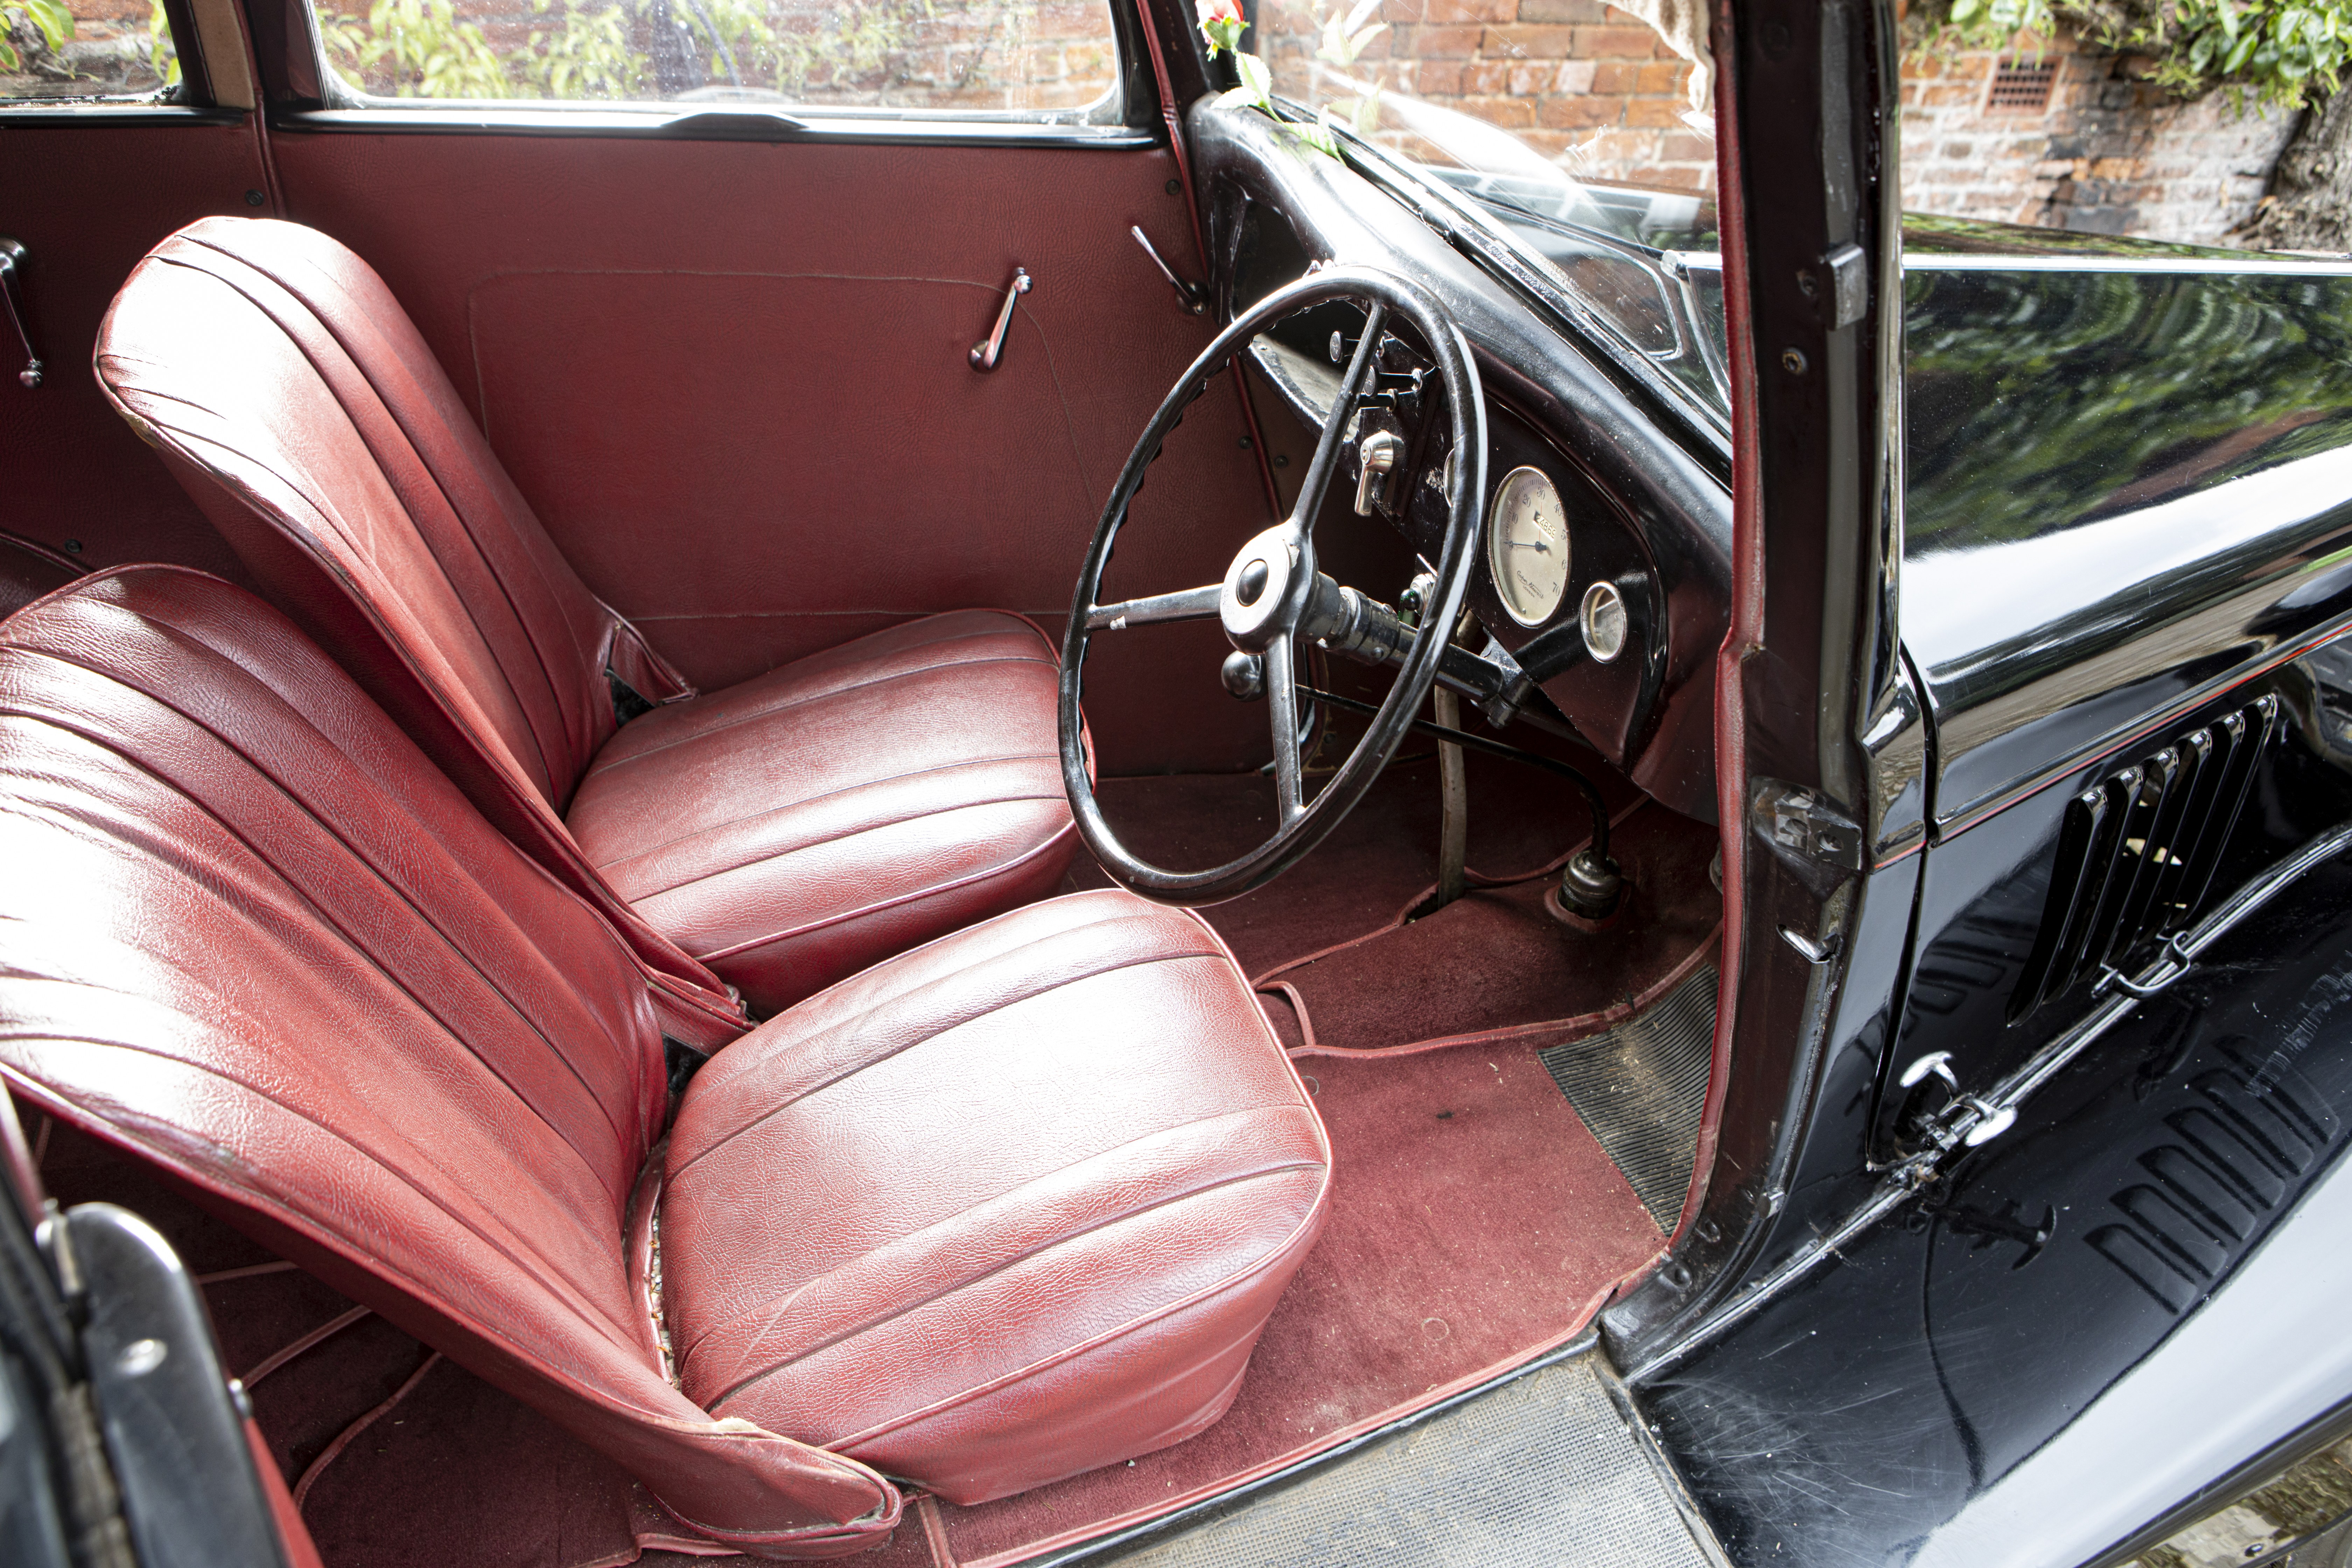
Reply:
x=990, y=350
x=12, y=257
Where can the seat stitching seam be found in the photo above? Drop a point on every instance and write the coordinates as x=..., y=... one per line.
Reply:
x=543, y=1270
x=770, y=710
x=522, y=625
x=580, y=653
x=808, y=801
x=777, y=1109
x=1268, y=1174
x=846, y=836
x=1169, y=1134
x=71, y=725
x=750, y=945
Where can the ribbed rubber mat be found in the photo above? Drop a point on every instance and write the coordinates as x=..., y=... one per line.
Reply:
x=1641, y=1088
x=1541, y=1472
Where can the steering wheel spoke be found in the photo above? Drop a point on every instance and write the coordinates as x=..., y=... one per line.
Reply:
x=1273, y=594
x=1335, y=424
x=1282, y=713
x=1156, y=609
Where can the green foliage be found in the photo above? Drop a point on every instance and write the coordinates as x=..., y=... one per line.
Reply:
x=51, y=20
x=160, y=46
x=2279, y=51
x=586, y=50
x=423, y=47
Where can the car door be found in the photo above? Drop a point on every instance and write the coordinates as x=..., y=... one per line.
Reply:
x=113, y=133
x=721, y=325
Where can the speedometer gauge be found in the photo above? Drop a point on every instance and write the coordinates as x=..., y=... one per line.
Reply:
x=1527, y=546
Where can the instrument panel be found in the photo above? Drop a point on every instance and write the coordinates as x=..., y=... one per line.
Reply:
x=1562, y=581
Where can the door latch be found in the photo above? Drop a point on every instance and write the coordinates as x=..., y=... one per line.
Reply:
x=987, y=352
x=12, y=257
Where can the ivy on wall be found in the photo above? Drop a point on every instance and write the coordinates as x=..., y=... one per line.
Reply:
x=2283, y=52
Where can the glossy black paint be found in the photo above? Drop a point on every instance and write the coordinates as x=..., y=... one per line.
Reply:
x=1275, y=207
x=2129, y=1294
x=1820, y=673
x=2124, y=489
x=1986, y=892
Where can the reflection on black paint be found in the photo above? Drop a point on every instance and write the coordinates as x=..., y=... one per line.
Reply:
x=2039, y=401
x=1850, y=1421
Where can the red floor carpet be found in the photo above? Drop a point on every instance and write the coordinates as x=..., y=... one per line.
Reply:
x=1475, y=1220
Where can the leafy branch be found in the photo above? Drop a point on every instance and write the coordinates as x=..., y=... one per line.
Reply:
x=585, y=51
x=52, y=21
x=1346, y=36
x=2281, y=52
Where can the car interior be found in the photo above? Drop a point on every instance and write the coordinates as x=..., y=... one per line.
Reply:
x=575, y=851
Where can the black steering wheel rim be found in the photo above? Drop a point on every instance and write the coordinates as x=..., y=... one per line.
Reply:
x=1301, y=824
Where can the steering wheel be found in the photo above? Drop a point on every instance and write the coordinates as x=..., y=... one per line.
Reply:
x=1273, y=594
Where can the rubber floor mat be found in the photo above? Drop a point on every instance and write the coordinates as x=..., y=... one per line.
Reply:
x=1641, y=1087
x=1539, y=1473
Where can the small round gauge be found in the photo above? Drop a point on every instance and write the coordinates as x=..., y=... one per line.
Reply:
x=1527, y=546
x=1603, y=618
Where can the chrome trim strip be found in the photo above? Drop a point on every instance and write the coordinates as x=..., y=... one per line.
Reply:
x=2263, y=264
x=1996, y=1110
x=503, y=119
x=31, y=115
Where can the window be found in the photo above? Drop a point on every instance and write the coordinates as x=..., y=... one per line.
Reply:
x=2022, y=85
x=1030, y=58
x=53, y=49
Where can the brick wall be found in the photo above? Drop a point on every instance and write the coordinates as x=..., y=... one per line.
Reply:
x=2110, y=154
x=1590, y=85
x=1578, y=79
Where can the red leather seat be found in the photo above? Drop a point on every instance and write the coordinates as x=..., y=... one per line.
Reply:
x=1005, y=1208
x=834, y=812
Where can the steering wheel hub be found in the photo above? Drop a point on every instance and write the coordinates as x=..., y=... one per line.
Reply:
x=1259, y=601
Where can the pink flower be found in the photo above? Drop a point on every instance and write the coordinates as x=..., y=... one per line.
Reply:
x=1221, y=25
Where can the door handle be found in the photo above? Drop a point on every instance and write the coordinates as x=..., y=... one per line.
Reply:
x=12, y=257
x=990, y=350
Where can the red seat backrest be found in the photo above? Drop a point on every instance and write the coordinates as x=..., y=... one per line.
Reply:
x=295, y=401
x=249, y=931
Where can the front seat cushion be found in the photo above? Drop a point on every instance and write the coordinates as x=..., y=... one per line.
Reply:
x=1000, y=1210
x=293, y=397
x=788, y=830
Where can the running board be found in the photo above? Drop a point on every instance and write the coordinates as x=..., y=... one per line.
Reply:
x=1547, y=1469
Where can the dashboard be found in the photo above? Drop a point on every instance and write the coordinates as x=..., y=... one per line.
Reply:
x=1603, y=568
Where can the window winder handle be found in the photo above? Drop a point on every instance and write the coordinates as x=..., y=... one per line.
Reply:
x=11, y=259
x=986, y=353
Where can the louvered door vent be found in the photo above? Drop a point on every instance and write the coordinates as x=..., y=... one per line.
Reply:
x=2137, y=854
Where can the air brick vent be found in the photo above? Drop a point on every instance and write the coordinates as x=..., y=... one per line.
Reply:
x=2137, y=853
x=2022, y=85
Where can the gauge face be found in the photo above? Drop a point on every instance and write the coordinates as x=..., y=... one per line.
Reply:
x=1604, y=622
x=1527, y=546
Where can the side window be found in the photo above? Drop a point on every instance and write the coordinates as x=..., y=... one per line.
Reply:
x=1026, y=59
x=66, y=50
